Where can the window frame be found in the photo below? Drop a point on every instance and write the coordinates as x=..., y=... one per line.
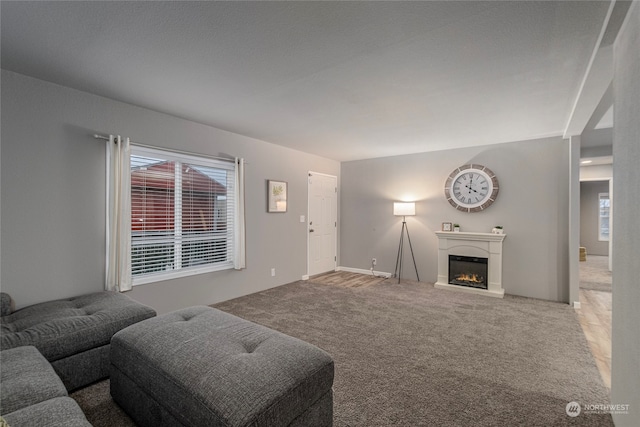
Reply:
x=178, y=238
x=601, y=197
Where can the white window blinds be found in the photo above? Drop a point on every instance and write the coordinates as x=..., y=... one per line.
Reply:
x=182, y=214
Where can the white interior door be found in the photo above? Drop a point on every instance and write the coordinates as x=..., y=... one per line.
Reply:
x=323, y=223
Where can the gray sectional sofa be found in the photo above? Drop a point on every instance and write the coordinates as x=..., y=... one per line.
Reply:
x=193, y=367
x=31, y=394
x=73, y=334
x=54, y=347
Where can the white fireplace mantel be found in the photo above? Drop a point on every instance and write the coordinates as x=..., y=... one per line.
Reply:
x=484, y=245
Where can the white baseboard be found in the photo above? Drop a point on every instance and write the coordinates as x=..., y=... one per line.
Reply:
x=363, y=271
x=576, y=305
x=305, y=277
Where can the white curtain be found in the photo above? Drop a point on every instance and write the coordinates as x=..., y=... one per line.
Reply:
x=118, y=267
x=239, y=246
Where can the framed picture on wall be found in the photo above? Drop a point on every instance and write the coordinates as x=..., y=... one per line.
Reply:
x=276, y=196
x=447, y=226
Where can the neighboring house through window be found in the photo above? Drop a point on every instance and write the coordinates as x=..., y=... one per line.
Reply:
x=182, y=214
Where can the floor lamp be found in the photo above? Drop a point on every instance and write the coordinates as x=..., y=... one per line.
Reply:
x=404, y=210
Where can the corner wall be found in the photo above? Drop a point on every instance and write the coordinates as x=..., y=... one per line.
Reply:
x=625, y=355
x=532, y=206
x=53, y=197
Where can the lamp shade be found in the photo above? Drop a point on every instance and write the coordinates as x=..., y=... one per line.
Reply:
x=404, y=209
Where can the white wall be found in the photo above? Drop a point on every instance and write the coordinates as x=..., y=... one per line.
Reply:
x=595, y=173
x=53, y=197
x=532, y=206
x=625, y=363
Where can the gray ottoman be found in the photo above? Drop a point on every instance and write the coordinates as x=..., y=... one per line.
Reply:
x=203, y=367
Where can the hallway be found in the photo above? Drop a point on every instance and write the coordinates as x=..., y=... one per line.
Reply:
x=595, y=311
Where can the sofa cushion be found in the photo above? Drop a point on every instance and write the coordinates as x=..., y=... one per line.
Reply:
x=26, y=378
x=58, y=412
x=65, y=327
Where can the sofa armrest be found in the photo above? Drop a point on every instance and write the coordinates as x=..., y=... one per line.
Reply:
x=6, y=304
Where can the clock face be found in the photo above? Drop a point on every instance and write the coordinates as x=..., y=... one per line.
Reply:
x=471, y=188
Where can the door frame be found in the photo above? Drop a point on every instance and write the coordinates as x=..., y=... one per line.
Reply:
x=609, y=180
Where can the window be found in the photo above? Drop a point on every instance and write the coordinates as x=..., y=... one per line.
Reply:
x=604, y=207
x=182, y=214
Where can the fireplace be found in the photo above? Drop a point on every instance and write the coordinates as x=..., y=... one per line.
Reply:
x=466, y=248
x=468, y=271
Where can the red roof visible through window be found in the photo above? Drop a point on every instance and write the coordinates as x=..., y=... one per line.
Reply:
x=152, y=199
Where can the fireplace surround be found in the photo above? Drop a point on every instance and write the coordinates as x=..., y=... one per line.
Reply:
x=471, y=246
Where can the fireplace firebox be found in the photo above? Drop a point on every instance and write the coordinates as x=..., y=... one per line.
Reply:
x=468, y=271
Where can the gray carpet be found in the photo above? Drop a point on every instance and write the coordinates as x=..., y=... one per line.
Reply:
x=412, y=355
x=595, y=274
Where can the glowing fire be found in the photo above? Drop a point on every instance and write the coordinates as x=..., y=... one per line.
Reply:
x=473, y=278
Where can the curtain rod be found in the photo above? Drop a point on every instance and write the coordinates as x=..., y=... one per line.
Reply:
x=189, y=153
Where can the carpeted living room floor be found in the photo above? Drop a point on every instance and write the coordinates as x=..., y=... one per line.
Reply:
x=411, y=355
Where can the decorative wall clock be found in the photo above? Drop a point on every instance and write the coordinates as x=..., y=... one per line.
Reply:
x=471, y=188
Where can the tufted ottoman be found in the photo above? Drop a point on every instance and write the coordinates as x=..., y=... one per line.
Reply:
x=203, y=367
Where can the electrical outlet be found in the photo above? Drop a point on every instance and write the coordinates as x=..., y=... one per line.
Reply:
x=374, y=261
x=273, y=272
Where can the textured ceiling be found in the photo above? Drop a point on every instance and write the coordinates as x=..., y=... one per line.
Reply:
x=344, y=80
